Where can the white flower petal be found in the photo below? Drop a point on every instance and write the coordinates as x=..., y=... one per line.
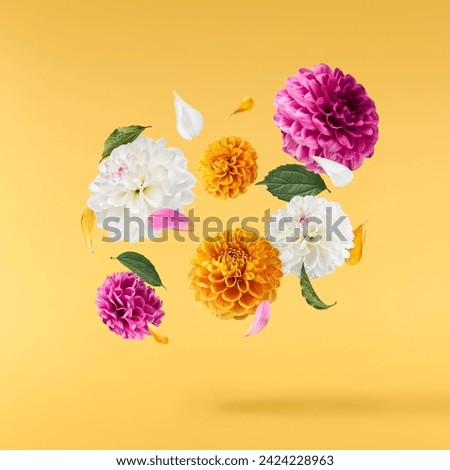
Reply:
x=153, y=195
x=189, y=120
x=339, y=174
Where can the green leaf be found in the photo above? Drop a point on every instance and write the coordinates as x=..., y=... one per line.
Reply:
x=288, y=181
x=141, y=266
x=120, y=136
x=309, y=293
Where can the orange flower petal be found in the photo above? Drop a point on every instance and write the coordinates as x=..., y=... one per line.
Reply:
x=230, y=281
x=359, y=240
x=247, y=104
x=207, y=294
x=243, y=285
x=218, y=287
x=222, y=304
x=201, y=271
x=239, y=310
x=231, y=294
x=215, y=276
x=87, y=224
x=258, y=290
x=228, y=315
x=202, y=282
x=157, y=337
x=248, y=301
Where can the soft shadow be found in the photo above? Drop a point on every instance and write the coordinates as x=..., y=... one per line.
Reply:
x=337, y=404
x=303, y=404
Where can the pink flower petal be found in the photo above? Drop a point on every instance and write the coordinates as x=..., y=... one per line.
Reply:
x=260, y=319
x=172, y=219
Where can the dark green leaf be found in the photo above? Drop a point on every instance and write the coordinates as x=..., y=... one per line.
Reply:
x=141, y=266
x=120, y=136
x=309, y=293
x=288, y=181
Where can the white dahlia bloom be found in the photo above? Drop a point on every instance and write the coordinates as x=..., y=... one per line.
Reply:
x=136, y=180
x=311, y=231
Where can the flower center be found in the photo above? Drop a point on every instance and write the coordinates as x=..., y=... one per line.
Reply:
x=233, y=261
x=141, y=188
x=220, y=164
x=313, y=230
x=309, y=228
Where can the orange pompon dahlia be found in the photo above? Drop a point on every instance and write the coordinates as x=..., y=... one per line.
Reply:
x=228, y=167
x=234, y=272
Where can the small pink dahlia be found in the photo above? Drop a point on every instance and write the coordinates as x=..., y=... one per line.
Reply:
x=127, y=305
x=324, y=113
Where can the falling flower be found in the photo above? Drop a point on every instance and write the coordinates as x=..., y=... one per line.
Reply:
x=260, y=319
x=339, y=174
x=228, y=167
x=247, y=104
x=312, y=231
x=136, y=180
x=127, y=305
x=235, y=272
x=189, y=120
x=325, y=113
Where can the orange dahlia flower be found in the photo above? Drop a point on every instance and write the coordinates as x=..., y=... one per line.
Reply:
x=235, y=272
x=228, y=167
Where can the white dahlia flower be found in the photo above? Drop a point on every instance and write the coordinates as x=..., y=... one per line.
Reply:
x=137, y=179
x=311, y=231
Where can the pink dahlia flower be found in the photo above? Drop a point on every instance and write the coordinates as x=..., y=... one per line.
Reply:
x=127, y=305
x=324, y=113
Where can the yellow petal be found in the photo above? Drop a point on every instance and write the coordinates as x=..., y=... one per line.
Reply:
x=246, y=104
x=158, y=338
x=87, y=224
x=231, y=294
x=357, y=250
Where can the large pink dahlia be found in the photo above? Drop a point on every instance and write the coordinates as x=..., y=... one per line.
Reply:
x=127, y=305
x=324, y=113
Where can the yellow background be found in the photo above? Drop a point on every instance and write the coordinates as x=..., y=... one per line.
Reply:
x=373, y=372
